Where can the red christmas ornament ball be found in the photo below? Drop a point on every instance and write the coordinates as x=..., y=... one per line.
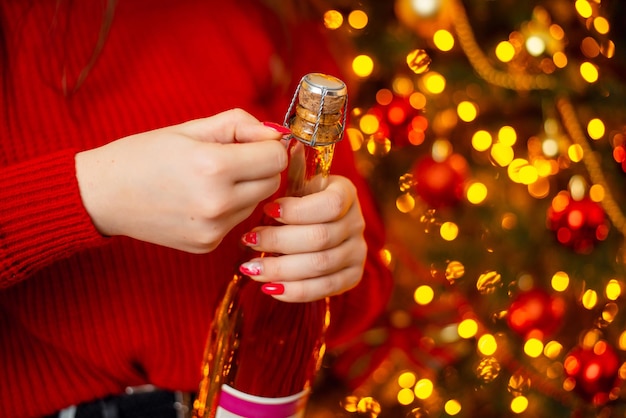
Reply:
x=534, y=311
x=578, y=224
x=594, y=371
x=440, y=183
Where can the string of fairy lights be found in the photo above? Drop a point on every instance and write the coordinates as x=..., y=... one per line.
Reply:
x=529, y=60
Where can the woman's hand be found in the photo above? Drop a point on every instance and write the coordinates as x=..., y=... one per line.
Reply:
x=321, y=244
x=184, y=186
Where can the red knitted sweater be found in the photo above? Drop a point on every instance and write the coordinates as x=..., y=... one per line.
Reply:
x=83, y=316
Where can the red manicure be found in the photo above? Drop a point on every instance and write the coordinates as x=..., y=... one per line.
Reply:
x=250, y=238
x=272, y=210
x=250, y=268
x=278, y=128
x=273, y=289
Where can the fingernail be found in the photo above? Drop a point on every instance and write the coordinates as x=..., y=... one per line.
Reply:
x=250, y=238
x=250, y=268
x=272, y=210
x=273, y=288
x=278, y=128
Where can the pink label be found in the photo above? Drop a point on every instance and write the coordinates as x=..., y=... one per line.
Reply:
x=236, y=404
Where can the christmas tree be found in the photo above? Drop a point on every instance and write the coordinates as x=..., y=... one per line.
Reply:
x=493, y=134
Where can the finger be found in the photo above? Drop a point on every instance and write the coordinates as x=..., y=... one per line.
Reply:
x=295, y=267
x=250, y=193
x=293, y=239
x=316, y=288
x=325, y=206
x=235, y=125
x=254, y=160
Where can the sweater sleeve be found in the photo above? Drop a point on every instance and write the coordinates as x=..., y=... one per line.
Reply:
x=42, y=218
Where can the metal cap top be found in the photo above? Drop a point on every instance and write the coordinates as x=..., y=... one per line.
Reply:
x=316, y=83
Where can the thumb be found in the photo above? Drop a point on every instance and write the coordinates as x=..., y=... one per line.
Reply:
x=235, y=125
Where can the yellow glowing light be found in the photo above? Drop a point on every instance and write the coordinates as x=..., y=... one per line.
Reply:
x=577, y=187
x=467, y=111
x=560, y=281
x=443, y=40
x=423, y=295
x=481, y=140
x=424, y=389
x=434, y=82
x=452, y=407
x=590, y=299
x=363, y=65
x=505, y=51
x=553, y=349
x=426, y=8
x=407, y=380
x=540, y=188
x=405, y=203
x=550, y=147
x=507, y=136
x=533, y=347
x=544, y=167
x=333, y=19
x=622, y=341
x=502, y=154
x=575, y=153
x=560, y=202
x=601, y=25
x=357, y=19
x=441, y=149
x=514, y=169
x=560, y=59
x=476, y=193
x=613, y=290
x=556, y=32
x=417, y=100
x=467, y=328
x=378, y=146
x=583, y=8
x=355, y=137
x=589, y=72
x=519, y=404
x=535, y=45
x=596, y=193
x=402, y=85
x=487, y=344
x=405, y=396
x=528, y=174
x=369, y=124
x=608, y=49
x=449, y=231
x=595, y=128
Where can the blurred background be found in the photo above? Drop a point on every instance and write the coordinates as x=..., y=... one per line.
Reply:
x=493, y=133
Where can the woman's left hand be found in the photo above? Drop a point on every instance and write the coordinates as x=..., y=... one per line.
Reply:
x=320, y=244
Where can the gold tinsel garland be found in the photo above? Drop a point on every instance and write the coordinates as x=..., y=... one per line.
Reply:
x=572, y=125
x=524, y=82
x=480, y=62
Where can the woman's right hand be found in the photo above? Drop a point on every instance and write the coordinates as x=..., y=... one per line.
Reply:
x=184, y=186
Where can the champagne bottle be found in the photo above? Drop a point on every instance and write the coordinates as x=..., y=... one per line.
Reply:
x=262, y=354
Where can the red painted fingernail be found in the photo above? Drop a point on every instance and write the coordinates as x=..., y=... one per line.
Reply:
x=278, y=128
x=250, y=238
x=273, y=289
x=272, y=210
x=250, y=268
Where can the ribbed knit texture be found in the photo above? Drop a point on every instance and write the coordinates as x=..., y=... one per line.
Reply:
x=83, y=316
